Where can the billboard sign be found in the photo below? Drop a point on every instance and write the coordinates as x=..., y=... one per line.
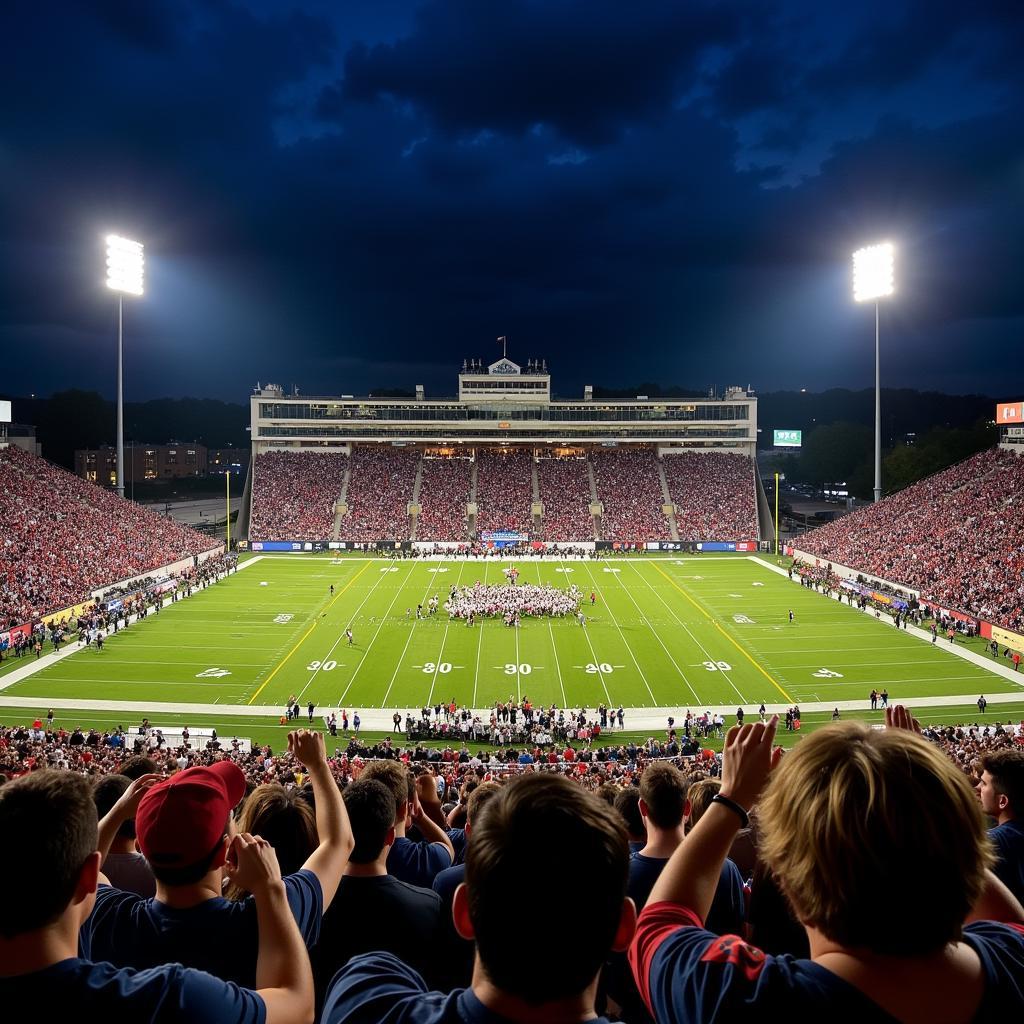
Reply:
x=5, y=412
x=1011, y=413
x=788, y=438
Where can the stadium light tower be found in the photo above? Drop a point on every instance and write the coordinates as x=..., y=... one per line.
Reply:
x=124, y=276
x=873, y=280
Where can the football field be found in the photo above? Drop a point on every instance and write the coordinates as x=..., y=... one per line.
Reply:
x=662, y=632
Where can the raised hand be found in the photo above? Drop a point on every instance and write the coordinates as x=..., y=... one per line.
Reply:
x=898, y=717
x=747, y=760
x=307, y=747
x=252, y=864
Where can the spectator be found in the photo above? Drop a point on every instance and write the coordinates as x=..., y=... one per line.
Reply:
x=629, y=487
x=528, y=841
x=504, y=489
x=564, y=487
x=380, y=487
x=294, y=495
x=1001, y=791
x=443, y=496
x=373, y=910
x=416, y=862
x=186, y=833
x=849, y=808
x=125, y=867
x=714, y=495
x=49, y=878
x=627, y=803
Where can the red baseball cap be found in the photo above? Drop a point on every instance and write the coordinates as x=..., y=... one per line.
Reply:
x=179, y=822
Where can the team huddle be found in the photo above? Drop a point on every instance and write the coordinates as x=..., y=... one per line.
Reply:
x=511, y=600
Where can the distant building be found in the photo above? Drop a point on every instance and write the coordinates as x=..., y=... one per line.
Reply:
x=227, y=460
x=142, y=462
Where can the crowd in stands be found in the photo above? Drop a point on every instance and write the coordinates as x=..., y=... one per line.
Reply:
x=380, y=485
x=504, y=489
x=565, y=491
x=957, y=537
x=714, y=495
x=294, y=495
x=444, y=494
x=64, y=537
x=629, y=487
x=203, y=886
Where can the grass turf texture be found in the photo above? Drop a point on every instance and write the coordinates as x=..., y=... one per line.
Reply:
x=664, y=632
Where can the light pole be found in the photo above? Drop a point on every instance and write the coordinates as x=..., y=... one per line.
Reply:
x=124, y=275
x=873, y=280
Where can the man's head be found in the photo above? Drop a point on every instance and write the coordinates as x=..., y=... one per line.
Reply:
x=542, y=832
x=48, y=858
x=182, y=824
x=371, y=812
x=478, y=800
x=1001, y=790
x=698, y=799
x=627, y=803
x=107, y=791
x=398, y=780
x=663, y=795
x=853, y=807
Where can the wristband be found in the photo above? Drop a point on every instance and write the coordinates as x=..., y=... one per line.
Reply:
x=736, y=808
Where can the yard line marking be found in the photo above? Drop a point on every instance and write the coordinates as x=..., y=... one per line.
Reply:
x=398, y=668
x=551, y=634
x=629, y=647
x=444, y=637
x=732, y=640
x=365, y=652
x=597, y=660
x=657, y=636
x=283, y=661
x=348, y=625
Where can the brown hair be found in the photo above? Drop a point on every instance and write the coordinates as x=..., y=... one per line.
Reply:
x=479, y=799
x=395, y=776
x=1007, y=770
x=544, y=831
x=48, y=821
x=699, y=796
x=663, y=789
x=286, y=820
x=852, y=807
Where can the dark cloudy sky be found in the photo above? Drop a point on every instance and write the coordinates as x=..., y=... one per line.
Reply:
x=348, y=195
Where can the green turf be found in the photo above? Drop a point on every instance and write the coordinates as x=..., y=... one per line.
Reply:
x=664, y=632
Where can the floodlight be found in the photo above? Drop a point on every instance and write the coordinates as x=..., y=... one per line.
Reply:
x=124, y=265
x=873, y=272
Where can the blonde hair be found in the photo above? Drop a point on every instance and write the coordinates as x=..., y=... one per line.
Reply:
x=855, y=819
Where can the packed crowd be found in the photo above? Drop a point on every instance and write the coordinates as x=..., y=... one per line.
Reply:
x=65, y=537
x=510, y=601
x=380, y=485
x=294, y=495
x=504, y=489
x=564, y=486
x=713, y=493
x=365, y=886
x=957, y=537
x=629, y=487
x=443, y=496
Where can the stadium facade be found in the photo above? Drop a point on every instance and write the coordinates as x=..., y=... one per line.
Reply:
x=504, y=414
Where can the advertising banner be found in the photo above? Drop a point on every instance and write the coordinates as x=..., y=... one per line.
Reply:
x=66, y=613
x=1003, y=637
x=10, y=634
x=787, y=438
x=1011, y=413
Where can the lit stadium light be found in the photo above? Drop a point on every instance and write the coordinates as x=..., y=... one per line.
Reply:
x=124, y=265
x=873, y=279
x=873, y=272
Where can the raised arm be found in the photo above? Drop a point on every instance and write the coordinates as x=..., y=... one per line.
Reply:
x=125, y=808
x=284, y=979
x=691, y=876
x=426, y=812
x=328, y=860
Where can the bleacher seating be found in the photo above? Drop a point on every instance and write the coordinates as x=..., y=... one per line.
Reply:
x=444, y=492
x=628, y=485
x=565, y=492
x=714, y=495
x=504, y=489
x=380, y=486
x=64, y=537
x=294, y=495
x=957, y=536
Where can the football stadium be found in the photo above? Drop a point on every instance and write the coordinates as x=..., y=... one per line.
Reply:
x=670, y=676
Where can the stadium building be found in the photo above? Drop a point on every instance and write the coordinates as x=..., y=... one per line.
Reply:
x=503, y=461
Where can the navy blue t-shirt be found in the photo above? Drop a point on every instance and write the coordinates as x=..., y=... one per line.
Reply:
x=417, y=863
x=685, y=973
x=728, y=909
x=218, y=936
x=447, y=881
x=1009, y=843
x=377, y=987
x=85, y=991
x=458, y=838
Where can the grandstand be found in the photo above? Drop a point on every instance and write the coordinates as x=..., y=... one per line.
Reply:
x=956, y=539
x=503, y=462
x=64, y=538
